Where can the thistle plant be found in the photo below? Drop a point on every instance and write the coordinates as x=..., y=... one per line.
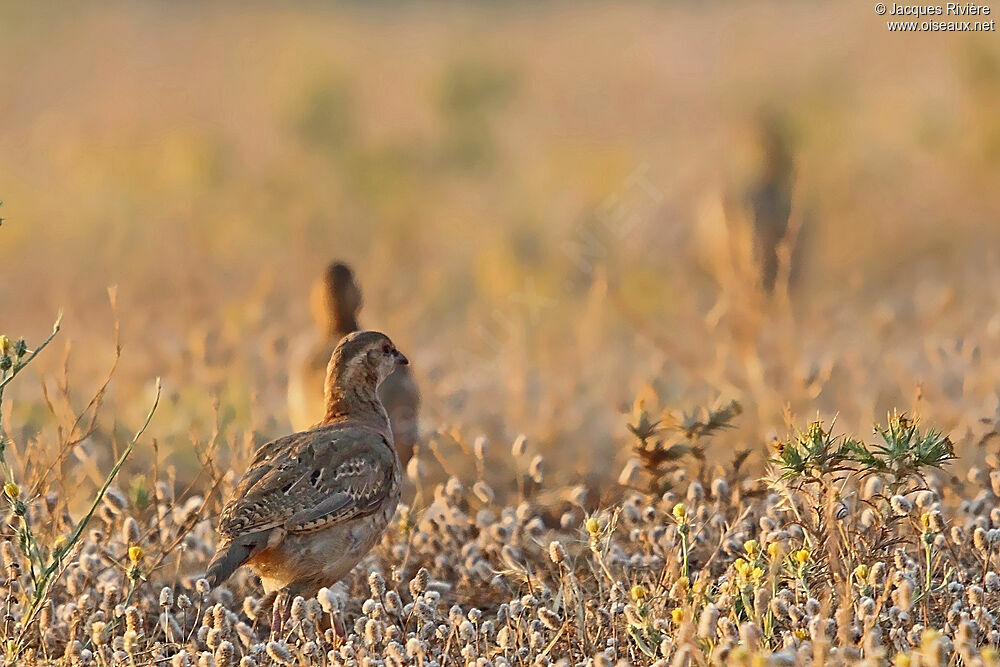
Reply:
x=813, y=455
x=641, y=626
x=903, y=452
x=749, y=576
x=662, y=443
x=684, y=528
x=45, y=565
x=800, y=562
x=930, y=525
x=14, y=358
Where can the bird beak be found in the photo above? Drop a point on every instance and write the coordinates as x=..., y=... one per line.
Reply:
x=401, y=359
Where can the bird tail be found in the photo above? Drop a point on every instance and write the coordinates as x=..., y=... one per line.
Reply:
x=229, y=557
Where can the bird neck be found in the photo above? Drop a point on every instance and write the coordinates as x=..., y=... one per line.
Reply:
x=352, y=392
x=339, y=323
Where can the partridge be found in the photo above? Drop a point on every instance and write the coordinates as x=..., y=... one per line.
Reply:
x=335, y=302
x=312, y=504
x=770, y=197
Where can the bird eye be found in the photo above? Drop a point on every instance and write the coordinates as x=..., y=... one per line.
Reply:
x=387, y=348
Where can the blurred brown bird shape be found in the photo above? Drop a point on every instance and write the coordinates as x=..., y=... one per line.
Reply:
x=312, y=504
x=335, y=301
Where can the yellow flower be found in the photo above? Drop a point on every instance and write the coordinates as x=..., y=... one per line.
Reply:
x=407, y=520
x=902, y=660
x=757, y=573
x=135, y=554
x=743, y=568
x=677, y=615
x=680, y=512
x=929, y=636
x=11, y=490
x=802, y=555
x=861, y=572
x=774, y=549
x=925, y=520
x=593, y=526
x=751, y=547
x=60, y=542
x=5, y=345
x=638, y=592
x=800, y=634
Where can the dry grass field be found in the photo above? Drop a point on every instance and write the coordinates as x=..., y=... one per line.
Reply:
x=632, y=451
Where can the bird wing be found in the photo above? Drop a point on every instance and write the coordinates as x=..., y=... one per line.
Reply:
x=311, y=480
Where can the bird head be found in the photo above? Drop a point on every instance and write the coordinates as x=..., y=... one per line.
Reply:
x=365, y=356
x=336, y=299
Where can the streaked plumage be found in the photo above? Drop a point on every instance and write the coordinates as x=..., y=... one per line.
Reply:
x=335, y=302
x=312, y=504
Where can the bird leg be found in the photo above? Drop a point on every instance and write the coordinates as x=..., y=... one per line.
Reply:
x=338, y=626
x=280, y=600
x=265, y=603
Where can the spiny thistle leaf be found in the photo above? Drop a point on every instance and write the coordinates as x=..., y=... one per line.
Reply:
x=903, y=452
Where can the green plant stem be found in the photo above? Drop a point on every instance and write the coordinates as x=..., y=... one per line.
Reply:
x=927, y=566
x=29, y=545
x=10, y=375
x=20, y=365
x=46, y=579
x=684, y=551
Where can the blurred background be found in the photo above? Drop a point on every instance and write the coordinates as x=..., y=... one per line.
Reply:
x=553, y=208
